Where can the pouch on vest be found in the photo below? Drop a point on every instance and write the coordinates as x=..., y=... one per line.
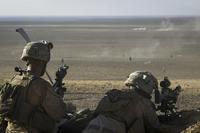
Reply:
x=14, y=93
x=21, y=111
x=114, y=100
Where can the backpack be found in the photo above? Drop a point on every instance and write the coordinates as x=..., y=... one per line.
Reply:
x=14, y=93
x=114, y=100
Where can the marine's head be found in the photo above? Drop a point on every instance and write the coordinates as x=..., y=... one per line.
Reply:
x=37, y=54
x=37, y=50
x=142, y=80
x=165, y=83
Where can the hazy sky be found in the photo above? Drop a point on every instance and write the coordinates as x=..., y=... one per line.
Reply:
x=98, y=7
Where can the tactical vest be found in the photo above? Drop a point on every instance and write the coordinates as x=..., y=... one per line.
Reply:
x=115, y=101
x=21, y=111
x=15, y=93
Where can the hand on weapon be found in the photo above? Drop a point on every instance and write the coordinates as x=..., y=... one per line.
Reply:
x=60, y=74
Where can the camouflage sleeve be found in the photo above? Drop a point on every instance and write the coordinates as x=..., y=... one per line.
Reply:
x=54, y=105
x=42, y=93
x=150, y=117
x=152, y=123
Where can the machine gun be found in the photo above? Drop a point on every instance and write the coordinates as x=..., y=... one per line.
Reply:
x=60, y=74
x=169, y=98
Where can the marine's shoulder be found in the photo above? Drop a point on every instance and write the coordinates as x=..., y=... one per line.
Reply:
x=18, y=80
x=29, y=78
x=39, y=86
x=117, y=96
x=38, y=81
x=130, y=94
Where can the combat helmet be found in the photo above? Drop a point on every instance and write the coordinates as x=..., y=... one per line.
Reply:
x=39, y=50
x=142, y=80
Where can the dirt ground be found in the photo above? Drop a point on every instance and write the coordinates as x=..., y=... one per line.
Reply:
x=87, y=81
x=98, y=55
x=87, y=93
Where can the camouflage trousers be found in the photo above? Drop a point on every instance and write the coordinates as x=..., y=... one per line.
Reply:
x=102, y=124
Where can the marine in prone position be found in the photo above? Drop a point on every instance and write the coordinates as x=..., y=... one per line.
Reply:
x=130, y=110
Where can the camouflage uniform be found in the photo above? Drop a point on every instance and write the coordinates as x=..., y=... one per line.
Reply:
x=40, y=95
x=39, y=108
x=129, y=111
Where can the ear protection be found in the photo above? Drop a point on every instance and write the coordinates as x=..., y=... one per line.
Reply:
x=49, y=44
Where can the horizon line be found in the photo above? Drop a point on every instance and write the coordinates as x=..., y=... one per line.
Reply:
x=97, y=16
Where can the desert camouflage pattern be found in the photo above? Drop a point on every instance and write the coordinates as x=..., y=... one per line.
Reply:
x=103, y=124
x=49, y=108
x=37, y=50
x=142, y=80
x=127, y=112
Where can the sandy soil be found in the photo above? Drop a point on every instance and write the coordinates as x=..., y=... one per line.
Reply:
x=98, y=55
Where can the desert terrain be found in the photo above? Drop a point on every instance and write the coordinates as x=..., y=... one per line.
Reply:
x=101, y=52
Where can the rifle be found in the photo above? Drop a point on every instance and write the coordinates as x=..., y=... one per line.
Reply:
x=60, y=74
x=20, y=70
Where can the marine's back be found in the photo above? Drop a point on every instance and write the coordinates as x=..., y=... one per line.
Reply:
x=37, y=106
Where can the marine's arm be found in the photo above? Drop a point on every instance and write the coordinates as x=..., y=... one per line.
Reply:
x=49, y=101
x=152, y=123
x=54, y=105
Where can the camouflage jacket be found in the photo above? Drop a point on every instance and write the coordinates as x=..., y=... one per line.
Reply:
x=40, y=109
x=135, y=110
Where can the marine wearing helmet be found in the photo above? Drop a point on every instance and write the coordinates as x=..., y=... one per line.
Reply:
x=37, y=50
x=35, y=107
x=142, y=80
x=130, y=110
